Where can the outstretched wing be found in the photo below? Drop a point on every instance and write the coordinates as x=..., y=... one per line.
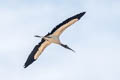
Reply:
x=36, y=52
x=65, y=24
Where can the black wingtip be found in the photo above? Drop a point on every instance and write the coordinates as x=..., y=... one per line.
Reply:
x=25, y=66
x=80, y=15
x=83, y=13
x=28, y=62
x=30, y=58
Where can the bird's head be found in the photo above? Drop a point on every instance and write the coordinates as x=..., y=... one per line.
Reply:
x=42, y=36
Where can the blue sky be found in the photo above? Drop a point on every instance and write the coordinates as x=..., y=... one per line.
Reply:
x=95, y=38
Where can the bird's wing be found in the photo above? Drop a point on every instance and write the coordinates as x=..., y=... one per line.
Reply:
x=36, y=52
x=65, y=24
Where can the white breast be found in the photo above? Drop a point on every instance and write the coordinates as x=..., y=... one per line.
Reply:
x=54, y=39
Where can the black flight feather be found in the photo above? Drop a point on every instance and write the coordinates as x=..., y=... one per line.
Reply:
x=30, y=58
x=78, y=16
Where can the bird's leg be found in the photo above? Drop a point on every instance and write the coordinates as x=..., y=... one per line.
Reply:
x=65, y=46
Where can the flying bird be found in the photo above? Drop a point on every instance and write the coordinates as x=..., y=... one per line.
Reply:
x=52, y=37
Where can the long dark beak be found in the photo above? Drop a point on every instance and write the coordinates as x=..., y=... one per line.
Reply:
x=42, y=36
x=65, y=46
x=38, y=36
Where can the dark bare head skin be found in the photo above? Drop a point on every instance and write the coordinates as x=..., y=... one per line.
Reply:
x=41, y=36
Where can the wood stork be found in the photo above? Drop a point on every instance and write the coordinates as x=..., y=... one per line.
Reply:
x=52, y=37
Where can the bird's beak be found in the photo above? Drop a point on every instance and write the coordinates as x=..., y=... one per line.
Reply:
x=38, y=36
